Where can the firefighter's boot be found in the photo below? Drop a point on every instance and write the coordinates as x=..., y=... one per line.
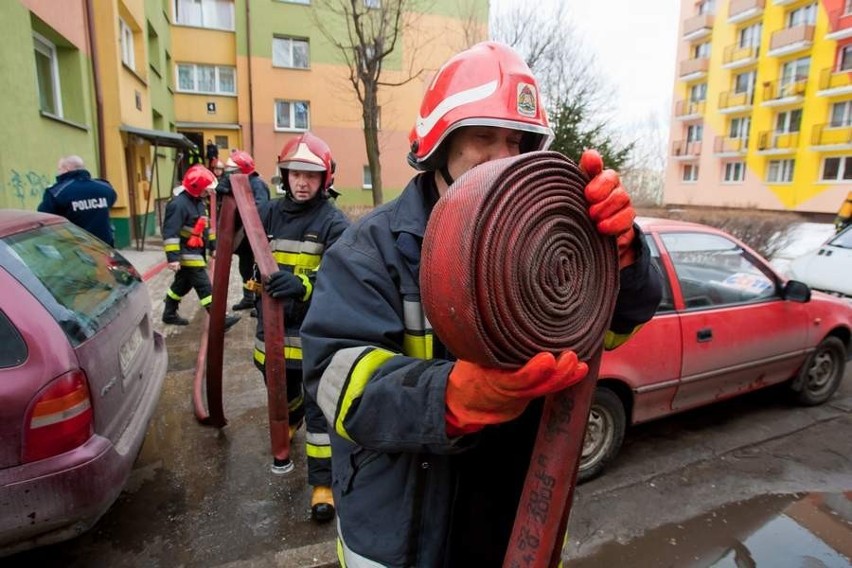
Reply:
x=170, y=314
x=322, y=504
x=247, y=303
x=230, y=320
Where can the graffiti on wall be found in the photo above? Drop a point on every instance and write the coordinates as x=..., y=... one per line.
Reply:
x=25, y=189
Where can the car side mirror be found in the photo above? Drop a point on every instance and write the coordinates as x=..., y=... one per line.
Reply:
x=796, y=291
x=276, y=180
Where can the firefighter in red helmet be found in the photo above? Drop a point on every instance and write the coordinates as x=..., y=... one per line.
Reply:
x=241, y=161
x=301, y=226
x=430, y=452
x=187, y=237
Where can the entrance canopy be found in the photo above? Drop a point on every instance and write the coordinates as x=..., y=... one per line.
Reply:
x=160, y=137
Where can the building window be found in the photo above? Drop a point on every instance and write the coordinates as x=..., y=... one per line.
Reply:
x=47, y=76
x=213, y=14
x=206, y=79
x=701, y=50
x=780, y=171
x=290, y=52
x=844, y=61
x=694, y=132
x=690, y=172
x=295, y=1
x=739, y=128
x=841, y=114
x=698, y=93
x=801, y=16
x=750, y=36
x=375, y=4
x=707, y=7
x=790, y=121
x=837, y=169
x=367, y=178
x=847, y=9
x=744, y=82
x=221, y=142
x=128, y=56
x=292, y=115
x=734, y=171
x=794, y=71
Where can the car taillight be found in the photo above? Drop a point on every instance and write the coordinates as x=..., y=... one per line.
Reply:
x=60, y=419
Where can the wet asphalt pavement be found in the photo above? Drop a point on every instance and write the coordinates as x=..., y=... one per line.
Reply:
x=199, y=496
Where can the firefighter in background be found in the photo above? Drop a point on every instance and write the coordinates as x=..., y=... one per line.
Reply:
x=242, y=162
x=429, y=453
x=186, y=239
x=301, y=225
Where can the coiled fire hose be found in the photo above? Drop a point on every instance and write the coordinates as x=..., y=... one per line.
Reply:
x=512, y=265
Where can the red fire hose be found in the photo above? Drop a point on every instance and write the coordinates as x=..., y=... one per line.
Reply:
x=512, y=266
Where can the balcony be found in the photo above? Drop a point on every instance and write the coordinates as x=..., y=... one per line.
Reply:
x=825, y=137
x=698, y=27
x=736, y=56
x=779, y=93
x=731, y=102
x=742, y=10
x=773, y=142
x=783, y=2
x=694, y=68
x=791, y=40
x=726, y=147
x=839, y=25
x=686, y=150
x=833, y=83
x=689, y=110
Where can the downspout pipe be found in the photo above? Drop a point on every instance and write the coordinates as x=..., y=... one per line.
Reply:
x=250, y=96
x=96, y=79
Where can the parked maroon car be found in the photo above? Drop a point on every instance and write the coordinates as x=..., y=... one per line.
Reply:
x=728, y=324
x=81, y=371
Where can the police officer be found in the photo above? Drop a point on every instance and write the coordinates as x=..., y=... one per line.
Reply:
x=302, y=225
x=186, y=239
x=79, y=198
x=429, y=453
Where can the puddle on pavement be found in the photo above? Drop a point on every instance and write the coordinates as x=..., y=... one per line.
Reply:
x=812, y=530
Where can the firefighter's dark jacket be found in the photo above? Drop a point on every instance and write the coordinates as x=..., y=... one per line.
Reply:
x=300, y=234
x=178, y=223
x=408, y=495
x=82, y=200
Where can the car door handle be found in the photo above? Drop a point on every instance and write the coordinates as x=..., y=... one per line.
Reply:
x=705, y=334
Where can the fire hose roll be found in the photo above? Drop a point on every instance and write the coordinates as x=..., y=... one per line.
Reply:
x=512, y=265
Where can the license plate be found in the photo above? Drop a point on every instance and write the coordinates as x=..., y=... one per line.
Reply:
x=129, y=350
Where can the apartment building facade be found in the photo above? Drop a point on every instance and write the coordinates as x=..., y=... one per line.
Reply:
x=762, y=114
x=137, y=87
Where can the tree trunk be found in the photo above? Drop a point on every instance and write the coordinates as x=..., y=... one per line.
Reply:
x=371, y=140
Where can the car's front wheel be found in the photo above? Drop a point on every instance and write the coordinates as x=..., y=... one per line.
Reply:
x=604, y=433
x=821, y=374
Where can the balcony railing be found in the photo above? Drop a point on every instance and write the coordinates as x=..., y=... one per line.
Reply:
x=686, y=148
x=830, y=80
x=769, y=140
x=741, y=10
x=732, y=99
x=776, y=90
x=727, y=145
x=839, y=24
x=782, y=2
x=736, y=56
x=694, y=66
x=685, y=107
x=789, y=40
x=827, y=135
x=698, y=26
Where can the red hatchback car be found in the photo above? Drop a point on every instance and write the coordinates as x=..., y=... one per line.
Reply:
x=728, y=324
x=81, y=370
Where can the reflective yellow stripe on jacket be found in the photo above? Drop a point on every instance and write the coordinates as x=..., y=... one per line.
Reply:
x=418, y=337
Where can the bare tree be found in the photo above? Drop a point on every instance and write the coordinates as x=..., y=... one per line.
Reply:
x=644, y=174
x=474, y=28
x=373, y=30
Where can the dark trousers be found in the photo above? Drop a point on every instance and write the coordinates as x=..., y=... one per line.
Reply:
x=189, y=277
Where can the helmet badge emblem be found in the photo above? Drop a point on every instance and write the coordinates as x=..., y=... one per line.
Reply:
x=527, y=100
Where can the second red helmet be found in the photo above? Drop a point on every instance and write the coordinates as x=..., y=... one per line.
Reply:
x=486, y=85
x=197, y=180
x=240, y=160
x=307, y=152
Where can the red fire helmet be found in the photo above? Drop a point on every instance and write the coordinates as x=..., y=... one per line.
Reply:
x=306, y=152
x=198, y=179
x=486, y=85
x=240, y=160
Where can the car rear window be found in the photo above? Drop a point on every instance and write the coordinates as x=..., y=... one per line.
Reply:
x=13, y=350
x=79, y=279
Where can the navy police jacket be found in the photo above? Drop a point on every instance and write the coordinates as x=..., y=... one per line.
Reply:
x=82, y=200
x=406, y=493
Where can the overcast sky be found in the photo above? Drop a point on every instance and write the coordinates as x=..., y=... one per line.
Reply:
x=635, y=43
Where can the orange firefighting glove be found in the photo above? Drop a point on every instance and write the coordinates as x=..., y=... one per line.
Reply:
x=478, y=396
x=195, y=240
x=609, y=205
